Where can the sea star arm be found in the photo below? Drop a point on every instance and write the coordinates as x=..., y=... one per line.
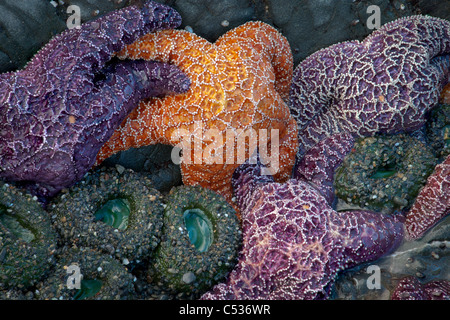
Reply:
x=247, y=179
x=420, y=32
x=366, y=235
x=316, y=84
x=59, y=100
x=268, y=42
x=125, y=85
x=85, y=51
x=165, y=46
x=410, y=288
x=432, y=203
x=386, y=83
x=321, y=161
x=147, y=126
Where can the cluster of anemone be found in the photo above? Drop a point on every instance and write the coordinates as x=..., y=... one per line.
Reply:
x=108, y=224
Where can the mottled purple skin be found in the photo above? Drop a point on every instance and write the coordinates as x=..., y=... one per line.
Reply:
x=58, y=111
x=432, y=203
x=410, y=288
x=295, y=243
x=321, y=161
x=384, y=84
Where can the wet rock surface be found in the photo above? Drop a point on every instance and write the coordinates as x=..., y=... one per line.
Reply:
x=427, y=259
x=24, y=29
x=153, y=160
x=308, y=25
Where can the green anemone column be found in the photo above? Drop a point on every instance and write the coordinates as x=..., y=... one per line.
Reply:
x=384, y=173
x=27, y=239
x=16, y=228
x=88, y=289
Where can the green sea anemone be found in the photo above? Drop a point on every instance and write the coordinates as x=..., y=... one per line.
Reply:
x=200, y=241
x=119, y=213
x=27, y=240
x=384, y=173
x=87, y=274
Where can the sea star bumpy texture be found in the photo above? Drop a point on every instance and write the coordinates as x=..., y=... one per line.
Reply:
x=432, y=203
x=319, y=164
x=410, y=288
x=295, y=243
x=238, y=87
x=57, y=112
x=384, y=84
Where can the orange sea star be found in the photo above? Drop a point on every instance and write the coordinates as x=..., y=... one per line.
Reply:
x=239, y=85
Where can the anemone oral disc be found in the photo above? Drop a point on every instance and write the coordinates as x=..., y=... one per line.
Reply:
x=114, y=213
x=199, y=229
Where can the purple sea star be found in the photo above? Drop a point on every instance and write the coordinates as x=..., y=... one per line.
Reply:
x=321, y=161
x=295, y=243
x=384, y=84
x=410, y=288
x=431, y=204
x=58, y=111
